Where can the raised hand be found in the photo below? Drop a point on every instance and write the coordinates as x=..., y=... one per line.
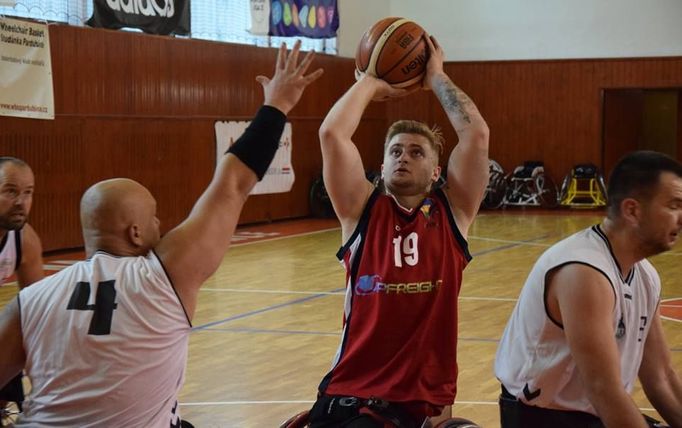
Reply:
x=434, y=67
x=284, y=89
x=383, y=91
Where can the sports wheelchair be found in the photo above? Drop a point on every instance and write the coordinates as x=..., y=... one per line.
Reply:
x=583, y=187
x=528, y=185
x=300, y=420
x=11, y=401
x=496, y=188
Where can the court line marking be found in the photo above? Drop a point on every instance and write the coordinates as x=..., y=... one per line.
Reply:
x=317, y=296
x=277, y=238
x=333, y=293
x=257, y=311
x=266, y=402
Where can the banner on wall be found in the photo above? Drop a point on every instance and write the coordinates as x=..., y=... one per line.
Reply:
x=25, y=70
x=280, y=176
x=316, y=19
x=260, y=17
x=151, y=16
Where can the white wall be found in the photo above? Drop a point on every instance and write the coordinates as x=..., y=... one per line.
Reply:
x=355, y=17
x=529, y=29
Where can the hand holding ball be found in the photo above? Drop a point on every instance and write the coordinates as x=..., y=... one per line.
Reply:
x=395, y=51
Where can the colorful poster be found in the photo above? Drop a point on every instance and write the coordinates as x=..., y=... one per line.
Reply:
x=280, y=176
x=25, y=70
x=260, y=17
x=151, y=16
x=316, y=19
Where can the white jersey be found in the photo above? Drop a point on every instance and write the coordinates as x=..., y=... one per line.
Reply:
x=106, y=343
x=534, y=361
x=10, y=254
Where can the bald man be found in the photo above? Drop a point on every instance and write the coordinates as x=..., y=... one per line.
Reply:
x=105, y=340
x=20, y=247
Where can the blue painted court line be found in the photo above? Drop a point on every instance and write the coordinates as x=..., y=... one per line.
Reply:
x=266, y=309
x=317, y=296
x=273, y=331
x=505, y=247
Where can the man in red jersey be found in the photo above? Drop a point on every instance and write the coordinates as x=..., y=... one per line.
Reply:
x=404, y=253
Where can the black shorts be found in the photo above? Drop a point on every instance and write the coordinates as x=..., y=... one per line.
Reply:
x=13, y=391
x=516, y=414
x=331, y=411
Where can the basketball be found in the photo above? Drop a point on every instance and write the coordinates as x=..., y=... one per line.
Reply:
x=395, y=51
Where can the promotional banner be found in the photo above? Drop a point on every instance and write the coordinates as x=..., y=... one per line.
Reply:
x=316, y=19
x=151, y=16
x=280, y=176
x=260, y=17
x=25, y=70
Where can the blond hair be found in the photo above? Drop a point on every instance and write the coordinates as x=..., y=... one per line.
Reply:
x=434, y=134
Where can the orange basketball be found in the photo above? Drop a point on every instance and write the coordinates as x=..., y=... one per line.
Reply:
x=393, y=50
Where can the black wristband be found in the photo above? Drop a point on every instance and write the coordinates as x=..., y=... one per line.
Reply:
x=259, y=142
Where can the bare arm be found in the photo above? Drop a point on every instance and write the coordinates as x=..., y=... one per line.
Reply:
x=467, y=170
x=31, y=268
x=343, y=172
x=582, y=299
x=661, y=383
x=193, y=251
x=12, y=357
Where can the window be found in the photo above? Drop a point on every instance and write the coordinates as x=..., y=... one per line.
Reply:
x=219, y=20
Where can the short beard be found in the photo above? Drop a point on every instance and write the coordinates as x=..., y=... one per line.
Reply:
x=11, y=225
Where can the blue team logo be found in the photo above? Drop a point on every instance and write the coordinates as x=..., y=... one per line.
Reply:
x=367, y=284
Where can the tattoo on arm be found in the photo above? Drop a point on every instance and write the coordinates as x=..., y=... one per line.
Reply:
x=453, y=100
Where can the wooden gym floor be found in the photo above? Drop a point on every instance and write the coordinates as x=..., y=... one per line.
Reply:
x=268, y=323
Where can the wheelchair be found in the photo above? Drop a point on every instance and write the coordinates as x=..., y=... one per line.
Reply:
x=496, y=188
x=528, y=185
x=300, y=420
x=11, y=401
x=583, y=187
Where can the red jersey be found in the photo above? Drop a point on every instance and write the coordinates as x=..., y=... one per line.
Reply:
x=404, y=271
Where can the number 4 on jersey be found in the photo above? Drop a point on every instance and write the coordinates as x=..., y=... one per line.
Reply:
x=105, y=303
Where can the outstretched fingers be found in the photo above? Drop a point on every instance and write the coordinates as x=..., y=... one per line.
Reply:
x=312, y=76
x=307, y=60
x=293, y=56
x=282, y=56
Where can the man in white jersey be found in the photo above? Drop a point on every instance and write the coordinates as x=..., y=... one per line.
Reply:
x=105, y=340
x=20, y=248
x=587, y=322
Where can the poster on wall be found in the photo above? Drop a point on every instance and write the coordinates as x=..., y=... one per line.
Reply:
x=260, y=17
x=316, y=19
x=280, y=176
x=154, y=16
x=25, y=70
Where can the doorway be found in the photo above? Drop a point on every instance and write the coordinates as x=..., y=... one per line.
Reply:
x=640, y=119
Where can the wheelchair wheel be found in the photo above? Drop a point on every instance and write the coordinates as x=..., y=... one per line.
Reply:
x=602, y=187
x=9, y=413
x=563, y=193
x=299, y=420
x=457, y=423
x=494, y=192
x=320, y=204
x=546, y=191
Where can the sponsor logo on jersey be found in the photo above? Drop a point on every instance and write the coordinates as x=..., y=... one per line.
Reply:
x=370, y=284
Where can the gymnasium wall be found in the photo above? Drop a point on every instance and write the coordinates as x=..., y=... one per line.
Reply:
x=144, y=107
x=529, y=29
x=548, y=110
